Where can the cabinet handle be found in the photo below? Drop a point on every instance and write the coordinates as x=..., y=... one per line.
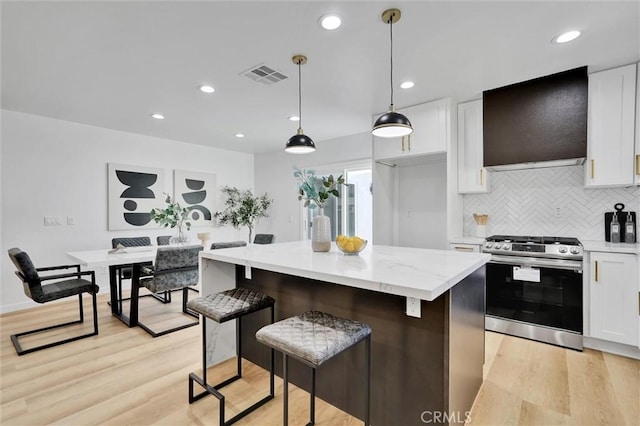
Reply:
x=639, y=303
x=593, y=167
x=638, y=164
x=409, y=142
x=458, y=248
x=596, y=270
x=403, y=143
x=481, y=177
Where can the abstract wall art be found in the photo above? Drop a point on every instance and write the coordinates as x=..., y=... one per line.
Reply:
x=133, y=192
x=198, y=191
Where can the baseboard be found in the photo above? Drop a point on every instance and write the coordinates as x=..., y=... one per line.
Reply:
x=612, y=347
x=18, y=306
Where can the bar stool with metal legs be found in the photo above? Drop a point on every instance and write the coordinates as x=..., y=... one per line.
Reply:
x=222, y=307
x=313, y=338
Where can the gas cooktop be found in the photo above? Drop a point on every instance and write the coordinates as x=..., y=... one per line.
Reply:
x=517, y=245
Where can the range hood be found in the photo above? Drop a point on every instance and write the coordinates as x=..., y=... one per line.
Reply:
x=537, y=165
x=536, y=123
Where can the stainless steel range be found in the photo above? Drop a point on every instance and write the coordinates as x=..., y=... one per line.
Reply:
x=534, y=288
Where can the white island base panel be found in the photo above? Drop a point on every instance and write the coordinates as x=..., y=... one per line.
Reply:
x=432, y=363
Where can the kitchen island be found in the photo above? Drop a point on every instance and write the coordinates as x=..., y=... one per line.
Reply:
x=424, y=368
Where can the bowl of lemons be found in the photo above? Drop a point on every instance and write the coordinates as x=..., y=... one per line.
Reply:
x=350, y=245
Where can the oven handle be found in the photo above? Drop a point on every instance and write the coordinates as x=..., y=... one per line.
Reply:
x=572, y=265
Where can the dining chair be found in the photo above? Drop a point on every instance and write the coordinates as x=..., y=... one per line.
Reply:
x=227, y=244
x=163, y=240
x=125, y=271
x=264, y=239
x=65, y=285
x=175, y=267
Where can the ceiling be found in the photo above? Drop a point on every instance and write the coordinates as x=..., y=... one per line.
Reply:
x=112, y=64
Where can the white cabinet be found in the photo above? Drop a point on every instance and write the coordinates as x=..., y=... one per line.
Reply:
x=611, y=122
x=472, y=176
x=614, y=297
x=429, y=135
x=415, y=198
x=637, y=153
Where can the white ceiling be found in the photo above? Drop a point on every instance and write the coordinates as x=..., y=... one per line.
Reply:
x=112, y=64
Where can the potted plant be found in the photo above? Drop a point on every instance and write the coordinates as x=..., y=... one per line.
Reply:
x=174, y=216
x=315, y=192
x=243, y=208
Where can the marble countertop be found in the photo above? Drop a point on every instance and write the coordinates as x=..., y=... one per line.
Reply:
x=411, y=272
x=594, y=245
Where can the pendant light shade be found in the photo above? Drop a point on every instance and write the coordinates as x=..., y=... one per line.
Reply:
x=391, y=124
x=300, y=143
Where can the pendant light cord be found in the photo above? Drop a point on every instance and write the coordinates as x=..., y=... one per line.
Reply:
x=391, y=37
x=299, y=95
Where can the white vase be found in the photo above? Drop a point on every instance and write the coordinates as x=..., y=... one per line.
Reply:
x=180, y=239
x=321, y=232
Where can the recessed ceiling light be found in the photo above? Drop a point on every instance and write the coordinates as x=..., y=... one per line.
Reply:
x=407, y=85
x=566, y=37
x=158, y=116
x=330, y=22
x=239, y=135
x=207, y=89
x=294, y=118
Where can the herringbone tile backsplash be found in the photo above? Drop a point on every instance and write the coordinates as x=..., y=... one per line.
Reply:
x=523, y=202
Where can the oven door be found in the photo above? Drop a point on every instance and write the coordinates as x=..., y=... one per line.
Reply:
x=550, y=296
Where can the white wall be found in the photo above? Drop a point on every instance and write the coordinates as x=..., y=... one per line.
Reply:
x=58, y=168
x=274, y=175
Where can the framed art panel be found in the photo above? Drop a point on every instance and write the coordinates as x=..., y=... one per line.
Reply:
x=198, y=191
x=133, y=192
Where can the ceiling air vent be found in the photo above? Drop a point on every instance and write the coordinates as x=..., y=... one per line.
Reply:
x=264, y=74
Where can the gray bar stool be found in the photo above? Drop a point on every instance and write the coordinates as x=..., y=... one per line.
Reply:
x=313, y=338
x=222, y=307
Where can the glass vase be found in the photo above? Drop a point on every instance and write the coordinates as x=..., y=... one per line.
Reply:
x=180, y=239
x=321, y=232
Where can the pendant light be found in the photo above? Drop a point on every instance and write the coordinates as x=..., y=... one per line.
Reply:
x=391, y=124
x=300, y=143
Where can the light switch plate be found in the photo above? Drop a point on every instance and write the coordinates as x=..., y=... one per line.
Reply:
x=52, y=221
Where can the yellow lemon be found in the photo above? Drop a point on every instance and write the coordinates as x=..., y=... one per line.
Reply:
x=349, y=247
x=358, y=243
x=340, y=239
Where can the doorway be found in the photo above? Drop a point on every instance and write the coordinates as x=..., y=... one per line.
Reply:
x=351, y=212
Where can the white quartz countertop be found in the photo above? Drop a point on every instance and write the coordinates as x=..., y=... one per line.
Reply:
x=603, y=246
x=412, y=272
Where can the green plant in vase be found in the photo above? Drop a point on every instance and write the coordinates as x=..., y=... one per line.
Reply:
x=243, y=208
x=173, y=216
x=315, y=191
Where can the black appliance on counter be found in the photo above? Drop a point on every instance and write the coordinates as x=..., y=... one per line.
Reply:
x=622, y=220
x=534, y=288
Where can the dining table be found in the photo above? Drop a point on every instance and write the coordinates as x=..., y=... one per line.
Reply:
x=114, y=259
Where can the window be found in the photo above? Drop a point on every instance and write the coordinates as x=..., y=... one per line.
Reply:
x=351, y=213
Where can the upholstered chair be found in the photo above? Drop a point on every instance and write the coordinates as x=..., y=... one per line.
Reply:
x=264, y=239
x=175, y=267
x=65, y=285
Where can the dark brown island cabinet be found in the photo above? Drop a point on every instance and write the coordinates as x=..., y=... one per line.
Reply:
x=425, y=308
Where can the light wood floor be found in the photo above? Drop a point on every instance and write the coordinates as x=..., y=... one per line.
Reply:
x=125, y=377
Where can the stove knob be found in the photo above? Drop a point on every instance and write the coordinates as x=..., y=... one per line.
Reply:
x=562, y=249
x=506, y=247
x=488, y=245
x=575, y=250
x=497, y=246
